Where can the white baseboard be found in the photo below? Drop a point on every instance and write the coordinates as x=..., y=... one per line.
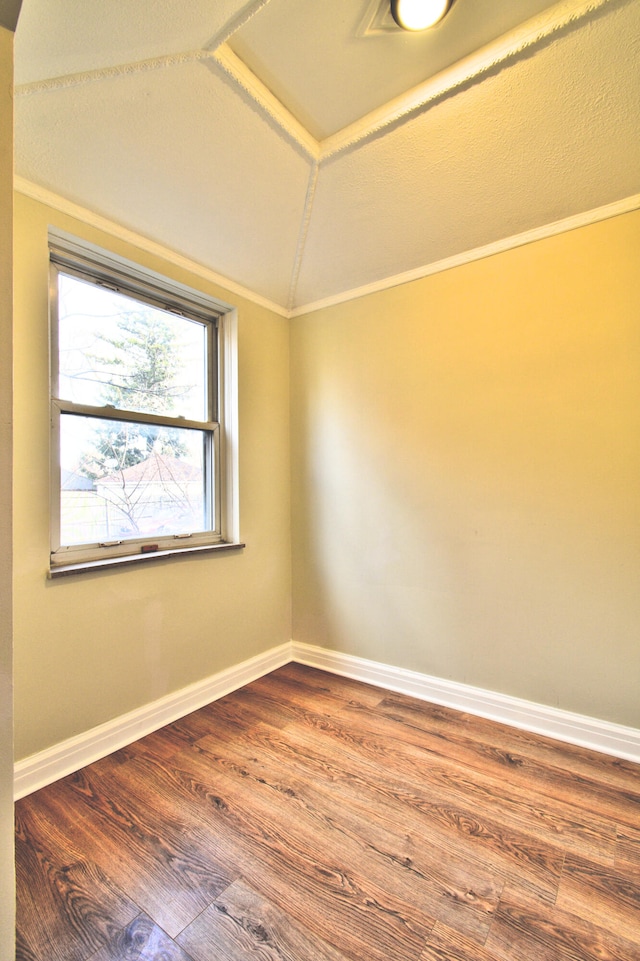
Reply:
x=47, y=766
x=577, y=729
x=68, y=756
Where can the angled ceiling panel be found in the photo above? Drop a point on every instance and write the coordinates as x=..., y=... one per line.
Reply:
x=218, y=130
x=331, y=63
x=75, y=36
x=178, y=157
x=499, y=159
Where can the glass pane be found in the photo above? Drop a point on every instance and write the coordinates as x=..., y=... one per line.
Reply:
x=124, y=480
x=114, y=349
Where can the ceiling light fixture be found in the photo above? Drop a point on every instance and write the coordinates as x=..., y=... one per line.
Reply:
x=418, y=14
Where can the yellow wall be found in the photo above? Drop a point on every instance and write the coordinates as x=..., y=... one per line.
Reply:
x=466, y=473
x=89, y=648
x=6, y=732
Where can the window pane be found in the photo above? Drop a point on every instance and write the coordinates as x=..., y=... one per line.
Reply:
x=119, y=351
x=124, y=480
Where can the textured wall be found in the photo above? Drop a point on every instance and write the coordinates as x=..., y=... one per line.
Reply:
x=91, y=647
x=466, y=464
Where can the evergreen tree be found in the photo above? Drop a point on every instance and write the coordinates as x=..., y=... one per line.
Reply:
x=141, y=368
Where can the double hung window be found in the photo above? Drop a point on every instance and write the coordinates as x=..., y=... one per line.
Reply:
x=139, y=450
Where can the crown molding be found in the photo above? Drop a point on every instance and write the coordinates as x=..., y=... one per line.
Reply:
x=567, y=15
x=92, y=219
x=508, y=49
x=608, y=211
x=262, y=97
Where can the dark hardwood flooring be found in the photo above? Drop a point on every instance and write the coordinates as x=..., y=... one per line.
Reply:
x=308, y=817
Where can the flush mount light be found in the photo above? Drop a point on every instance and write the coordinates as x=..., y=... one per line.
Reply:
x=418, y=14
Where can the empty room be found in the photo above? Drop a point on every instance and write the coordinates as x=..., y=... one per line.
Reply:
x=319, y=480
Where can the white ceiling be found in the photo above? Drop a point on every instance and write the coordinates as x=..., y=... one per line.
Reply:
x=306, y=149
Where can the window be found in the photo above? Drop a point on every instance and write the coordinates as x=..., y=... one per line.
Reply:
x=143, y=408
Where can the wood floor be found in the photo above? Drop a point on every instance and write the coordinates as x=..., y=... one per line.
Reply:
x=312, y=818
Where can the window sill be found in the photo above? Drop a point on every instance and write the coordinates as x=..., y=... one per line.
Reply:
x=84, y=567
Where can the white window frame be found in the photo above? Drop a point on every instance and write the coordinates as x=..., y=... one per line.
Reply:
x=73, y=256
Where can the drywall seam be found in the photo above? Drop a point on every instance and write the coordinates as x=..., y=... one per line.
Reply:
x=493, y=57
x=302, y=237
x=236, y=23
x=91, y=219
x=52, y=84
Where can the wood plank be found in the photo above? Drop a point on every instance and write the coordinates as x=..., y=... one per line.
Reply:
x=445, y=944
x=23, y=949
x=627, y=858
x=241, y=924
x=162, y=869
x=588, y=794
x=464, y=892
x=65, y=911
x=289, y=871
x=315, y=691
x=553, y=821
x=309, y=678
x=617, y=772
x=445, y=824
x=308, y=816
x=607, y=898
x=141, y=940
x=224, y=717
x=263, y=707
x=528, y=931
x=370, y=910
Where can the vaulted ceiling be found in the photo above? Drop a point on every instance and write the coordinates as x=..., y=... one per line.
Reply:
x=306, y=149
